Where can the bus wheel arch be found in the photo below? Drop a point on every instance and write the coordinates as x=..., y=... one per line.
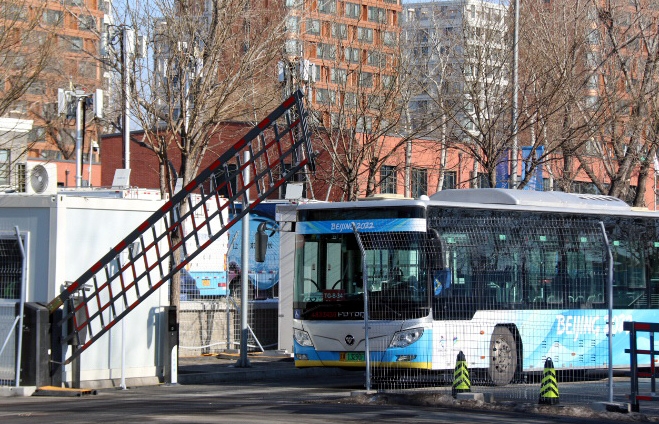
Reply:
x=505, y=354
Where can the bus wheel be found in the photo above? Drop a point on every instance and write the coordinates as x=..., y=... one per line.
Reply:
x=503, y=356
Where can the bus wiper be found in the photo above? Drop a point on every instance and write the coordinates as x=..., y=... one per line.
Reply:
x=390, y=309
x=308, y=311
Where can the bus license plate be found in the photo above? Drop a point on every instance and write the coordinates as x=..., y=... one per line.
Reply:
x=352, y=356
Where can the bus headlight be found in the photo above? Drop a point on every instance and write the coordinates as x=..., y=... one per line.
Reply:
x=302, y=338
x=406, y=337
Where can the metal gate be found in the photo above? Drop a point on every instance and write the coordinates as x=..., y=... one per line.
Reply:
x=278, y=148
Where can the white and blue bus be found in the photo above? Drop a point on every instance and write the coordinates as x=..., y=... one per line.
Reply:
x=508, y=277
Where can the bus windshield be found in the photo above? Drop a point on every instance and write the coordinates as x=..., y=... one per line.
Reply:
x=330, y=283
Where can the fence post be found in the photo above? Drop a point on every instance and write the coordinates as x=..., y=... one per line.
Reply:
x=629, y=326
x=367, y=350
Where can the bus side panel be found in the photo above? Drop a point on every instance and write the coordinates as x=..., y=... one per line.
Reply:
x=574, y=338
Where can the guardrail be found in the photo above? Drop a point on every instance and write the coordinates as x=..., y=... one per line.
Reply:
x=634, y=328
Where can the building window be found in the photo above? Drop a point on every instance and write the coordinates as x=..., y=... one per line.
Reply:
x=4, y=167
x=87, y=23
x=294, y=4
x=389, y=38
x=352, y=55
x=313, y=26
x=325, y=96
x=365, y=35
x=338, y=76
x=482, y=180
x=72, y=44
x=292, y=47
x=377, y=14
x=388, y=81
x=364, y=124
x=340, y=31
x=325, y=51
x=327, y=6
x=450, y=180
x=376, y=58
x=419, y=182
x=388, y=179
x=293, y=24
x=366, y=79
x=350, y=99
x=352, y=10
x=52, y=17
x=546, y=184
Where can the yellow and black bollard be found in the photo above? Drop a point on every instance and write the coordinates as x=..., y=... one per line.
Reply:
x=549, y=387
x=461, y=383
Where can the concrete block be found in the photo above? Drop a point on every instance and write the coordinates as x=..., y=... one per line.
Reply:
x=611, y=407
x=17, y=391
x=470, y=396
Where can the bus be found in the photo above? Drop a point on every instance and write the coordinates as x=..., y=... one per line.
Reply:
x=263, y=276
x=206, y=275
x=216, y=271
x=509, y=278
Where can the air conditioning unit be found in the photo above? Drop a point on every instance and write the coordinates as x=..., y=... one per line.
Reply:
x=40, y=178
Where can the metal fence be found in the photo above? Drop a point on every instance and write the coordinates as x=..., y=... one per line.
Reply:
x=516, y=311
x=7, y=343
x=213, y=326
x=13, y=248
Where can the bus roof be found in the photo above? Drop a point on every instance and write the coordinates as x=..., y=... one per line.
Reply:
x=542, y=199
x=498, y=198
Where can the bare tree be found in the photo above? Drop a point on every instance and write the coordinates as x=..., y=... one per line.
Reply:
x=212, y=62
x=462, y=91
x=359, y=102
x=556, y=73
x=26, y=49
x=627, y=39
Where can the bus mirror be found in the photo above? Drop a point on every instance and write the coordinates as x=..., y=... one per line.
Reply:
x=260, y=243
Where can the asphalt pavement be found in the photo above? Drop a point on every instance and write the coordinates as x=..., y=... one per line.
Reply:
x=228, y=367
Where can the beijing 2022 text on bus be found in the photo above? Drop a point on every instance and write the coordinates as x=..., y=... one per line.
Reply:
x=508, y=277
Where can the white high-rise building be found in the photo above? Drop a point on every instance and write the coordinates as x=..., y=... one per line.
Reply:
x=460, y=59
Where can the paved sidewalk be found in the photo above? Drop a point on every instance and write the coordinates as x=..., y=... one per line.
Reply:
x=223, y=368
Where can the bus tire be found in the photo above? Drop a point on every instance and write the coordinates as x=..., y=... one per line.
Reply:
x=503, y=356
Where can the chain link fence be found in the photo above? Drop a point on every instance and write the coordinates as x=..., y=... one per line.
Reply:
x=511, y=300
x=7, y=343
x=213, y=326
x=11, y=280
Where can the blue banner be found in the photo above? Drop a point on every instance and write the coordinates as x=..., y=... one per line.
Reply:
x=502, y=169
x=535, y=182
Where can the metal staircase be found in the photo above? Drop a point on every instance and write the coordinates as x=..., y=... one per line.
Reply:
x=279, y=147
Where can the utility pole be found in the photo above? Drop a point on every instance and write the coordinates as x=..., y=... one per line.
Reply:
x=131, y=47
x=514, y=112
x=67, y=102
x=127, y=53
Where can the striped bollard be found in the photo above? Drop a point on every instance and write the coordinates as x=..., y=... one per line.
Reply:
x=549, y=386
x=461, y=383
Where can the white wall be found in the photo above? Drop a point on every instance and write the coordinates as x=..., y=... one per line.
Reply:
x=67, y=236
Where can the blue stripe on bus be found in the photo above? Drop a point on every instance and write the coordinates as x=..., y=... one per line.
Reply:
x=363, y=226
